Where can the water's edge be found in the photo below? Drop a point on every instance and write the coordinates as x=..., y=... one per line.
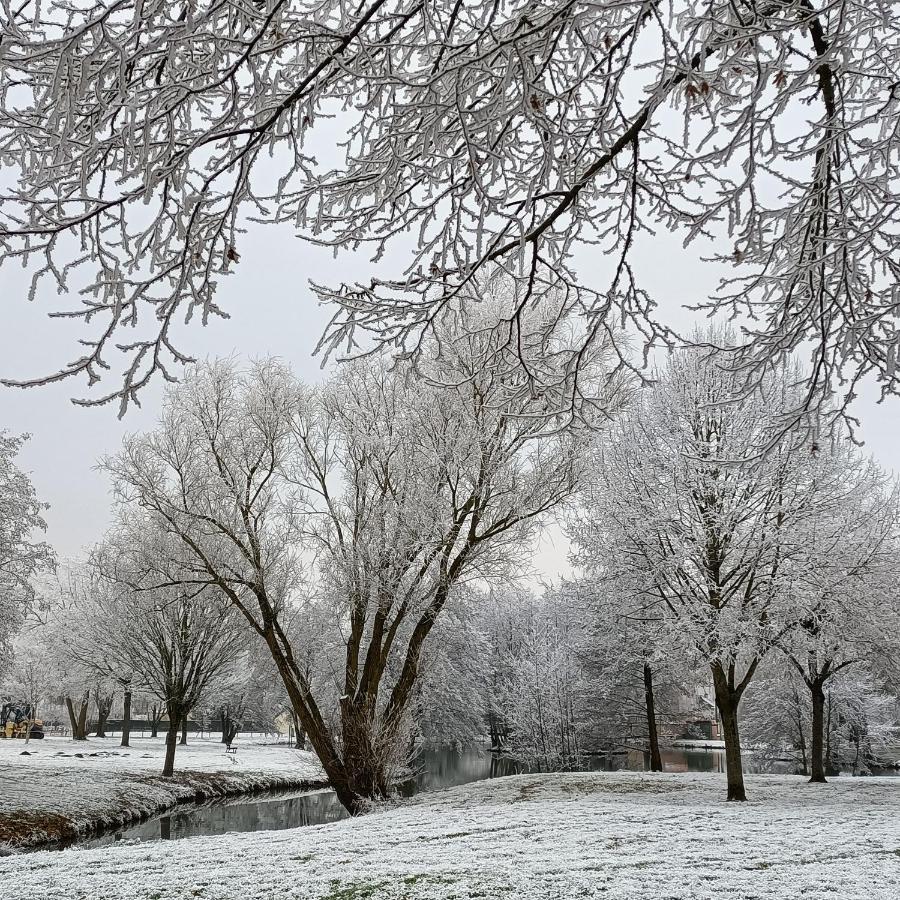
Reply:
x=278, y=802
x=211, y=789
x=437, y=768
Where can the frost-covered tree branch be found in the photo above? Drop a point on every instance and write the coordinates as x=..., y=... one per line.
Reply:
x=493, y=136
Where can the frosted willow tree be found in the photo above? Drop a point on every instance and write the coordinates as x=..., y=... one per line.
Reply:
x=147, y=135
x=685, y=510
x=375, y=494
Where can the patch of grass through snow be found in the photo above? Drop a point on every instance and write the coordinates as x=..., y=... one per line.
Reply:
x=356, y=890
x=361, y=890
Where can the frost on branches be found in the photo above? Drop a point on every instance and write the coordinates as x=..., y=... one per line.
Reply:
x=738, y=553
x=22, y=559
x=375, y=494
x=490, y=135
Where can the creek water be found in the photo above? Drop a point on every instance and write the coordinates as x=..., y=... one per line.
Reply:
x=436, y=769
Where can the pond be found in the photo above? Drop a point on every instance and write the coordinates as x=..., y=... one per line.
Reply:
x=437, y=769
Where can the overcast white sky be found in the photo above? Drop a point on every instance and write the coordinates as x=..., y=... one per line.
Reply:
x=273, y=312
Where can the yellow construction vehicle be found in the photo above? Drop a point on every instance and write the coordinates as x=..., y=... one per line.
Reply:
x=17, y=721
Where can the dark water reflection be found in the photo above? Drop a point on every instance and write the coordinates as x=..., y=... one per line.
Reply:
x=436, y=769
x=268, y=813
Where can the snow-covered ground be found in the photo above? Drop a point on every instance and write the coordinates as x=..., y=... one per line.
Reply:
x=146, y=755
x=61, y=788
x=619, y=836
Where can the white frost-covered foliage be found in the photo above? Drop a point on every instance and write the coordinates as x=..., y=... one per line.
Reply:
x=506, y=135
x=686, y=512
x=547, y=678
x=179, y=642
x=775, y=715
x=863, y=723
x=375, y=494
x=847, y=608
x=540, y=686
x=22, y=559
x=452, y=701
x=861, y=720
x=628, y=651
x=579, y=669
x=672, y=515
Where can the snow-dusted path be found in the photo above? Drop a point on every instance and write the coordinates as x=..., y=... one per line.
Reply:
x=62, y=787
x=622, y=836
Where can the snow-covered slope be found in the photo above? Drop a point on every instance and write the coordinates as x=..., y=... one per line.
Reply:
x=618, y=836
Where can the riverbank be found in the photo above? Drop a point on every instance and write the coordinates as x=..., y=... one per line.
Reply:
x=56, y=790
x=619, y=836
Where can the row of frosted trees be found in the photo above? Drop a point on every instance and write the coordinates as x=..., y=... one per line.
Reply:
x=706, y=536
x=559, y=677
x=712, y=546
x=152, y=659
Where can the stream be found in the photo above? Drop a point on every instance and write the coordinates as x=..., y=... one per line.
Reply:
x=438, y=768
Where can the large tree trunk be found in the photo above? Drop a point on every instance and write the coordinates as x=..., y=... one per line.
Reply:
x=728, y=699
x=655, y=758
x=358, y=775
x=155, y=718
x=817, y=751
x=733, y=765
x=82, y=719
x=299, y=732
x=184, y=726
x=365, y=762
x=126, y=719
x=104, y=707
x=359, y=771
x=78, y=719
x=315, y=727
x=73, y=718
x=175, y=717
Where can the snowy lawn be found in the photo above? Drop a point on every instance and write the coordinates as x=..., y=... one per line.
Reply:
x=63, y=788
x=621, y=836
